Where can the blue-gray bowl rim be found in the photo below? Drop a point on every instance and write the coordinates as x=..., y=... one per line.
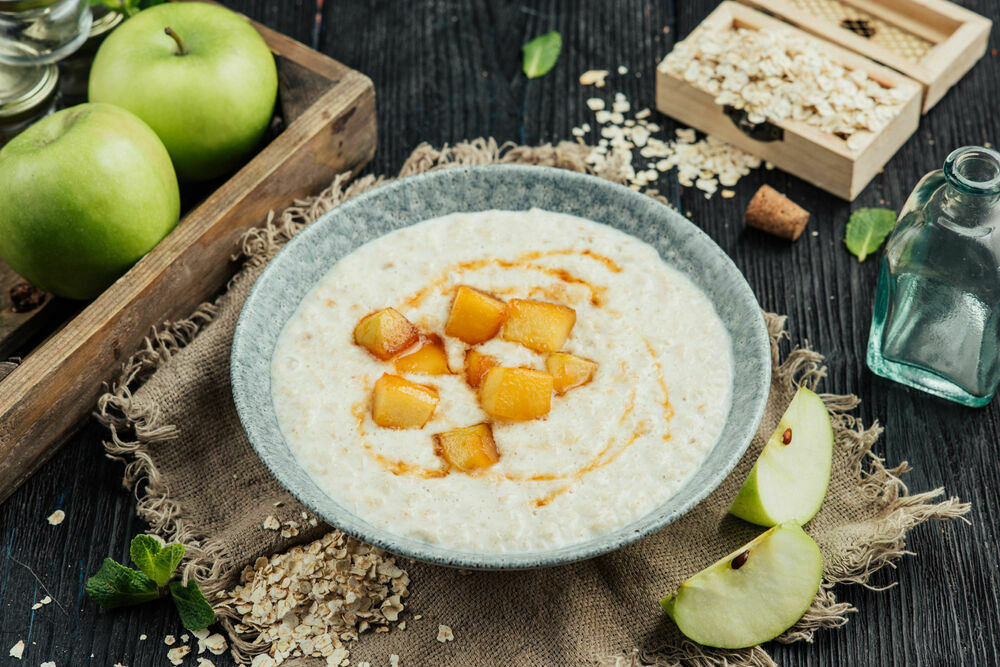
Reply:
x=751, y=355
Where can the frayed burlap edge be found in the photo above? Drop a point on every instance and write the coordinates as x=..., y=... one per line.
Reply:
x=899, y=510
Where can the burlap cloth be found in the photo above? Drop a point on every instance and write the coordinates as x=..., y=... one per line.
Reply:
x=172, y=421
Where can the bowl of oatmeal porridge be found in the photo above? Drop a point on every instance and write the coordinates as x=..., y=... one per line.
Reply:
x=500, y=366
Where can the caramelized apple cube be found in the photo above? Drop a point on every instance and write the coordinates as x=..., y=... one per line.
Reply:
x=429, y=358
x=538, y=325
x=399, y=403
x=475, y=316
x=385, y=333
x=476, y=366
x=569, y=371
x=469, y=448
x=516, y=394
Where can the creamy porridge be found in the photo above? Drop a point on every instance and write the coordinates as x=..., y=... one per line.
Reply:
x=600, y=455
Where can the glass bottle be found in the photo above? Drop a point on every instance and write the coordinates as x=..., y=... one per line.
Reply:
x=38, y=32
x=936, y=325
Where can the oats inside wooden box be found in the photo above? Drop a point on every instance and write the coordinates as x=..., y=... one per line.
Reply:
x=776, y=75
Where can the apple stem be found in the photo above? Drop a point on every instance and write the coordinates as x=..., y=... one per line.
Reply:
x=177, y=38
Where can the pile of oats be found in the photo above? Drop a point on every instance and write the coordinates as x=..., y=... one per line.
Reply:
x=312, y=599
x=704, y=164
x=779, y=75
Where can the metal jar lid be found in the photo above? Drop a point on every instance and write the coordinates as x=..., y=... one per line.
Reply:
x=104, y=22
x=25, y=90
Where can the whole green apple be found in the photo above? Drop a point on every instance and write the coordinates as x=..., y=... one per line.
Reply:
x=84, y=194
x=199, y=75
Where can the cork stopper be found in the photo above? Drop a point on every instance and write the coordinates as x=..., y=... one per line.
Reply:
x=774, y=213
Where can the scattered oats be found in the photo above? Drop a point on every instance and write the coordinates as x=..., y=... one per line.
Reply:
x=727, y=194
x=17, y=650
x=205, y=662
x=402, y=625
x=48, y=663
x=263, y=660
x=270, y=523
x=393, y=660
x=37, y=605
x=185, y=638
x=595, y=103
x=45, y=600
x=815, y=233
x=775, y=75
x=603, y=116
x=315, y=598
x=200, y=634
x=987, y=144
x=169, y=640
x=769, y=165
x=215, y=643
x=279, y=503
x=142, y=638
x=577, y=132
x=622, y=69
x=176, y=655
x=445, y=634
x=418, y=617
x=593, y=77
x=314, y=522
x=56, y=517
x=643, y=114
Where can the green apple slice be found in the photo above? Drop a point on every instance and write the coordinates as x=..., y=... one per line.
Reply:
x=788, y=482
x=752, y=595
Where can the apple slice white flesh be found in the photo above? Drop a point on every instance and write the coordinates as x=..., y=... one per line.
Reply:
x=788, y=482
x=744, y=600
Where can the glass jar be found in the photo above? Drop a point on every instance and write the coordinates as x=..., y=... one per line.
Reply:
x=34, y=32
x=27, y=94
x=936, y=325
x=74, y=71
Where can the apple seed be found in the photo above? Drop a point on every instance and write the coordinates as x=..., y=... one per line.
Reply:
x=740, y=560
x=786, y=437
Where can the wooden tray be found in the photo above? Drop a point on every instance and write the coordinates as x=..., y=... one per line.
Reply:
x=328, y=113
x=820, y=158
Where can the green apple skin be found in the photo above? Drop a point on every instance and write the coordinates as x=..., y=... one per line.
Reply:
x=84, y=194
x=788, y=482
x=726, y=607
x=209, y=105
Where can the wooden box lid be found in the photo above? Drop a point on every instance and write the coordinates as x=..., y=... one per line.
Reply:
x=934, y=42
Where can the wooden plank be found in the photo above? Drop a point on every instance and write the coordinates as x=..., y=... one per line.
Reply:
x=944, y=611
x=820, y=158
x=57, y=384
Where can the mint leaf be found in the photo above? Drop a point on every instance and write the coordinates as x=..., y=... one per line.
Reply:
x=115, y=585
x=195, y=611
x=156, y=561
x=866, y=230
x=540, y=54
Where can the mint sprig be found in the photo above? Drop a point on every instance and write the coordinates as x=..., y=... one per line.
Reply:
x=866, y=230
x=540, y=54
x=115, y=585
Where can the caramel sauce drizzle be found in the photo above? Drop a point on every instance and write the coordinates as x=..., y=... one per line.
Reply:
x=522, y=262
x=606, y=455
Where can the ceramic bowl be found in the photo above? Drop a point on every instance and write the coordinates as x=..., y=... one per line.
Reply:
x=303, y=261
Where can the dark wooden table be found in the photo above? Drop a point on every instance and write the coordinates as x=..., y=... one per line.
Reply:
x=450, y=70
